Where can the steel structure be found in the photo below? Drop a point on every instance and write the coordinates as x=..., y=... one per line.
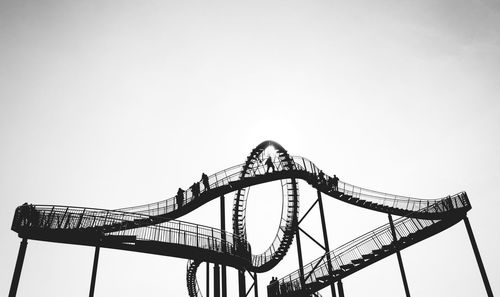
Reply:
x=154, y=228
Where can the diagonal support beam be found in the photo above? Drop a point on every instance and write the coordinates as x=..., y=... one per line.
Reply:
x=315, y=241
x=250, y=289
x=478, y=258
x=19, y=267
x=400, y=260
x=307, y=212
x=315, y=266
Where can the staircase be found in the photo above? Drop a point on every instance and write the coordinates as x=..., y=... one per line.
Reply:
x=368, y=249
x=192, y=284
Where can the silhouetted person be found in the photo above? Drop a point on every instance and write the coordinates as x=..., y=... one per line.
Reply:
x=335, y=183
x=179, y=197
x=449, y=202
x=273, y=289
x=321, y=176
x=24, y=214
x=329, y=183
x=204, y=179
x=33, y=216
x=270, y=164
x=195, y=188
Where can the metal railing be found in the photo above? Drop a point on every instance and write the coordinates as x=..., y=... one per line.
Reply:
x=69, y=217
x=36, y=217
x=188, y=234
x=410, y=204
x=377, y=239
x=193, y=286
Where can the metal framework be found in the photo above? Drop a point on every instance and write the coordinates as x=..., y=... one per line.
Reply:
x=153, y=228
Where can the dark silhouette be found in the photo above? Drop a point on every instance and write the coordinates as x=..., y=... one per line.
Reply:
x=335, y=183
x=136, y=231
x=204, y=179
x=33, y=215
x=179, y=197
x=321, y=177
x=449, y=202
x=273, y=288
x=195, y=188
x=24, y=213
x=270, y=164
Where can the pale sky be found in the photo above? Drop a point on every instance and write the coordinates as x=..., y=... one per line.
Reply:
x=111, y=104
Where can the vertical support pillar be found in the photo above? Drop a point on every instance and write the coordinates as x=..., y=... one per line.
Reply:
x=301, y=264
x=216, y=280
x=478, y=258
x=341, y=288
x=241, y=283
x=94, y=271
x=19, y=266
x=325, y=240
x=208, y=280
x=256, y=284
x=400, y=260
x=223, y=237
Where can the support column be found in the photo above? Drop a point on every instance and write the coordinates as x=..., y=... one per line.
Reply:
x=478, y=258
x=94, y=271
x=223, y=237
x=208, y=280
x=400, y=260
x=256, y=284
x=325, y=240
x=301, y=264
x=19, y=266
x=341, y=288
x=216, y=280
x=241, y=283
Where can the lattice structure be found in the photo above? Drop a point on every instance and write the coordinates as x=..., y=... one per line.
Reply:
x=154, y=228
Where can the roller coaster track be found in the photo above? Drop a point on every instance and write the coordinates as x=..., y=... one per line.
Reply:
x=154, y=228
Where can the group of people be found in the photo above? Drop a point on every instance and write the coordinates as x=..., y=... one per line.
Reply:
x=195, y=189
x=273, y=289
x=28, y=215
x=332, y=182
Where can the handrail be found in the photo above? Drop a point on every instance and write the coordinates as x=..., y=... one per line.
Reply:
x=223, y=177
x=366, y=243
x=151, y=222
x=62, y=219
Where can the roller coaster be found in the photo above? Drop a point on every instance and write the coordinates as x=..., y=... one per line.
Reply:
x=155, y=229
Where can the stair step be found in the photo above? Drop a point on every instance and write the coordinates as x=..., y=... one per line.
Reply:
x=357, y=261
x=387, y=247
x=347, y=266
x=368, y=256
x=323, y=278
x=337, y=271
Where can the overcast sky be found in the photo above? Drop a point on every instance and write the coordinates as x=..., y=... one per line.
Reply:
x=111, y=104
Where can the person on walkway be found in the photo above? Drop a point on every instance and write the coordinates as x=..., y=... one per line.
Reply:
x=273, y=289
x=270, y=164
x=335, y=183
x=195, y=188
x=204, y=179
x=24, y=214
x=321, y=176
x=179, y=197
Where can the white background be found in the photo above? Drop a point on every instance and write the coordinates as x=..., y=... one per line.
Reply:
x=111, y=104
